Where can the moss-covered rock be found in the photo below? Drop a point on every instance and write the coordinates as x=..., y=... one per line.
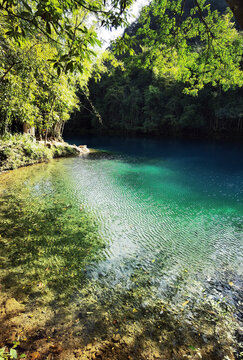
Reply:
x=22, y=150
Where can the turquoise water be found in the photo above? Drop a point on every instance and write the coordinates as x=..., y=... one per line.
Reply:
x=169, y=210
x=167, y=204
x=143, y=241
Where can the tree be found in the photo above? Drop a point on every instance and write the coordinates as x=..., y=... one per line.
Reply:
x=46, y=50
x=64, y=23
x=31, y=92
x=48, y=46
x=199, y=48
x=173, y=52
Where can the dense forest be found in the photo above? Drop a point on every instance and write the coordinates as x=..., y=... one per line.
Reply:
x=178, y=74
x=176, y=69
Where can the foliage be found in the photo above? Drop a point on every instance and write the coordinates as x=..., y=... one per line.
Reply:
x=135, y=101
x=46, y=49
x=23, y=150
x=65, y=23
x=31, y=92
x=202, y=47
x=183, y=75
x=6, y=354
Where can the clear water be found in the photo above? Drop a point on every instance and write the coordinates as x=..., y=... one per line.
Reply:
x=169, y=209
x=175, y=205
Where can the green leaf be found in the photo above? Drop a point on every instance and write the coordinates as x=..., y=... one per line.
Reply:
x=13, y=353
x=27, y=6
x=98, y=42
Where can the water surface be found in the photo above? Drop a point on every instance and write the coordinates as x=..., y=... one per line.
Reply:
x=164, y=218
x=171, y=205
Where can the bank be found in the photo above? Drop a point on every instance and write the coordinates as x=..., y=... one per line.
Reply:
x=23, y=150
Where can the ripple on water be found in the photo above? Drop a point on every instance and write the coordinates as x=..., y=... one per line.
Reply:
x=159, y=217
x=155, y=212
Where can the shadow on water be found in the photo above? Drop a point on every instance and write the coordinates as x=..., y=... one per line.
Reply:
x=202, y=154
x=46, y=240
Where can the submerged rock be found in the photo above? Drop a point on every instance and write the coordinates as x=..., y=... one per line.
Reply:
x=12, y=306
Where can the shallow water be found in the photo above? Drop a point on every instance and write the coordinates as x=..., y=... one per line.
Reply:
x=169, y=211
x=171, y=204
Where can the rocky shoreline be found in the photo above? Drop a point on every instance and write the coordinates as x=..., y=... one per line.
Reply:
x=65, y=147
x=23, y=150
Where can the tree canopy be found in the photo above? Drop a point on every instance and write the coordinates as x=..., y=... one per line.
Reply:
x=181, y=68
x=67, y=24
x=48, y=47
x=199, y=48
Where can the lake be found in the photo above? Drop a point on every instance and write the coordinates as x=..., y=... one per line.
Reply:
x=123, y=233
x=176, y=202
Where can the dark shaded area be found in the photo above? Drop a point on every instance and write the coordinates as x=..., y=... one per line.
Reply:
x=45, y=243
x=136, y=103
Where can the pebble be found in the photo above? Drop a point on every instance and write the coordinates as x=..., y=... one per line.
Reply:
x=116, y=337
x=35, y=355
x=99, y=353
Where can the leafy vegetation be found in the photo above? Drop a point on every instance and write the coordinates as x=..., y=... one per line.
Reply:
x=201, y=48
x=6, y=354
x=46, y=51
x=136, y=102
x=181, y=72
x=67, y=25
x=22, y=150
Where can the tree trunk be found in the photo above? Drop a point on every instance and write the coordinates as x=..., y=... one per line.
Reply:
x=25, y=128
x=237, y=9
x=28, y=129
